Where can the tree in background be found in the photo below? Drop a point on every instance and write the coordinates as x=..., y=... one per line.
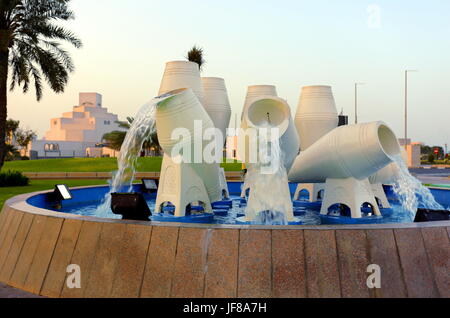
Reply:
x=30, y=50
x=196, y=55
x=12, y=153
x=11, y=128
x=115, y=139
x=24, y=138
x=427, y=150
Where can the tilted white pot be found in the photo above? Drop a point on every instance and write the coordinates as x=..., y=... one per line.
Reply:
x=180, y=109
x=316, y=114
x=216, y=103
x=276, y=111
x=256, y=91
x=182, y=74
x=356, y=151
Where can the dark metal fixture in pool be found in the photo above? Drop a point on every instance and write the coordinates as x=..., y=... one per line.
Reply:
x=131, y=206
x=60, y=193
x=426, y=215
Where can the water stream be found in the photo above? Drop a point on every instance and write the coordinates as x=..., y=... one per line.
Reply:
x=269, y=202
x=141, y=129
x=411, y=192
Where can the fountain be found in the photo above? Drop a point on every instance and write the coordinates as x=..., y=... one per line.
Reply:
x=261, y=245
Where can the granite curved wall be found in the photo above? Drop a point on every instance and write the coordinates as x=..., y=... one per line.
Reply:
x=142, y=259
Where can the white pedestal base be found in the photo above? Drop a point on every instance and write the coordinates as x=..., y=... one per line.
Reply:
x=313, y=189
x=223, y=184
x=351, y=192
x=180, y=185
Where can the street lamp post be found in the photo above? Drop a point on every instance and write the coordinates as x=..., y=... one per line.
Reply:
x=356, y=101
x=406, y=107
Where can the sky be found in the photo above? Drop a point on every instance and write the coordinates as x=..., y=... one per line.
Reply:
x=287, y=43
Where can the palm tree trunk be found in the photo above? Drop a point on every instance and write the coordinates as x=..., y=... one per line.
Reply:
x=4, y=56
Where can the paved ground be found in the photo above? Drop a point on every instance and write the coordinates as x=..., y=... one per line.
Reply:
x=432, y=176
x=9, y=292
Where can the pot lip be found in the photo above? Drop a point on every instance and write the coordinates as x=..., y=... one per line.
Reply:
x=381, y=124
x=283, y=126
x=215, y=78
x=19, y=203
x=180, y=62
x=261, y=86
x=163, y=97
x=316, y=86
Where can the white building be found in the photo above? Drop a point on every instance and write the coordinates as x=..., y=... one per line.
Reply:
x=74, y=132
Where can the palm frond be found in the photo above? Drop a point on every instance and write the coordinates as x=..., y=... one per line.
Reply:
x=196, y=55
x=36, y=51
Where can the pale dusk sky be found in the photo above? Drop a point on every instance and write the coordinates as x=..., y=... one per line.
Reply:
x=287, y=43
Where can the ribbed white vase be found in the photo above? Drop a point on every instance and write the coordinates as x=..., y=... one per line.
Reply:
x=182, y=74
x=216, y=103
x=316, y=114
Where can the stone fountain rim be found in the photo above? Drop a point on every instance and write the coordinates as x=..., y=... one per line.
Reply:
x=19, y=203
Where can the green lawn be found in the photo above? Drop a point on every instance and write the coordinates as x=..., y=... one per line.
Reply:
x=75, y=165
x=147, y=164
x=40, y=185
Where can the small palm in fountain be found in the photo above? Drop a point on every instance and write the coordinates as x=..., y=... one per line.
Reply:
x=196, y=55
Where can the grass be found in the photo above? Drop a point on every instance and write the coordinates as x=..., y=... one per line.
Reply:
x=438, y=185
x=41, y=185
x=147, y=164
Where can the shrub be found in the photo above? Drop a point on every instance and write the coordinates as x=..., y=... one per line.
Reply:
x=431, y=158
x=13, y=179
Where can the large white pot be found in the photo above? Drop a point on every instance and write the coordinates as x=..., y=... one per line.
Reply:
x=179, y=109
x=182, y=74
x=216, y=103
x=316, y=114
x=256, y=116
x=256, y=91
x=356, y=151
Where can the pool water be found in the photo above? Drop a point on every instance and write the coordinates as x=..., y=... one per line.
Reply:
x=86, y=202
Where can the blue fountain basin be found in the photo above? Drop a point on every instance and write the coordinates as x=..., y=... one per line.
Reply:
x=86, y=202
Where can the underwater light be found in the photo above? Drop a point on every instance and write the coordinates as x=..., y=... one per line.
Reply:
x=150, y=185
x=61, y=192
x=132, y=206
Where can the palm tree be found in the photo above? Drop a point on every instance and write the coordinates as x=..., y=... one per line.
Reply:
x=196, y=55
x=115, y=139
x=30, y=50
x=11, y=128
x=11, y=153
